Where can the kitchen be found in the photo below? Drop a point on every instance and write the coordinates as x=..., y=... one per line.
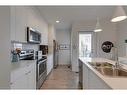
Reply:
x=32, y=33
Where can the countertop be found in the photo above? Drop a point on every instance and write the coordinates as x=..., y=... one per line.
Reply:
x=113, y=82
x=21, y=64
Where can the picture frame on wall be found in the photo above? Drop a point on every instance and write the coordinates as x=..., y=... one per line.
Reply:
x=64, y=47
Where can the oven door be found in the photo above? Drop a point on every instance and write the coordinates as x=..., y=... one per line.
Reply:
x=41, y=68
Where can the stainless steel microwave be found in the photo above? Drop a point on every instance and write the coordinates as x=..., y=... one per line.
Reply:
x=33, y=36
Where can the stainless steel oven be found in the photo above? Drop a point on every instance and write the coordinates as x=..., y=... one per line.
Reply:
x=41, y=71
x=41, y=68
x=27, y=54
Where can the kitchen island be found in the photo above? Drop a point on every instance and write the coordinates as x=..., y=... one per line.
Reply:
x=92, y=79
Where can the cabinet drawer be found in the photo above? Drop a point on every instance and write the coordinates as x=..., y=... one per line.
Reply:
x=20, y=83
x=18, y=73
x=30, y=67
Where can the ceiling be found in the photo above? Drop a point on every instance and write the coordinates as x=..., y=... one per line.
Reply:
x=69, y=14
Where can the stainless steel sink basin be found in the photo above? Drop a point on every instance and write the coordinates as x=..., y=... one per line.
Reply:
x=101, y=64
x=112, y=72
x=108, y=69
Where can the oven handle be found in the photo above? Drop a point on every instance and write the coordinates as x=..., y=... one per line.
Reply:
x=41, y=61
x=38, y=72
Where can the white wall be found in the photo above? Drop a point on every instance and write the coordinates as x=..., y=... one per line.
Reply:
x=63, y=37
x=4, y=47
x=108, y=34
x=51, y=37
x=122, y=36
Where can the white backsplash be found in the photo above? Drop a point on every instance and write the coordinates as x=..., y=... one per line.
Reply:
x=24, y=46
x=30, y=46
x=17, y=45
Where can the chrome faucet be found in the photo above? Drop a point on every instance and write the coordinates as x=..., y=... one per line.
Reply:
x=117, y=65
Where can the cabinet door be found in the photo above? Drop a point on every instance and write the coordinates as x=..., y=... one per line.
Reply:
x=85, y=77
x=20, y=83
x=95, y=82
x=32, y=79
x=81, y=73
x=12, y=23
x=21, y=24
x=49, y=64
x=44, y=40
x=24, y=78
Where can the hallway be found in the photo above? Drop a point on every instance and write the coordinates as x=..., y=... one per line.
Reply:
x=61, y=78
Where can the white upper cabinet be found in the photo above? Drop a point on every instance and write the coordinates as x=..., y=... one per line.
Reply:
x=21, y=24
x=12, y=23
x=18, y=19
x=44, y=35
x=21, y=17
x=31, y=18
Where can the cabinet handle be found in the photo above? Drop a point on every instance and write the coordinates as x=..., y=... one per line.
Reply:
x=27, y=65
x=26, y=73
x=11, y=83
x=29, y=72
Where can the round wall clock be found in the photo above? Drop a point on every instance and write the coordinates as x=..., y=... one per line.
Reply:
x=107, y=46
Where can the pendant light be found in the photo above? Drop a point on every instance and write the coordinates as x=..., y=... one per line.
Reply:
x=119, y=15
x=98, y=27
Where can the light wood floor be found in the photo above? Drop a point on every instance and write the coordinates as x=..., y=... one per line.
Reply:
x=61, y=78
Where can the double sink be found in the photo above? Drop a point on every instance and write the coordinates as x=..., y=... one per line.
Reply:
x=108, y=69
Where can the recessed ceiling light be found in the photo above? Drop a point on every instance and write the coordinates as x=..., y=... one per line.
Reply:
x=57, y=21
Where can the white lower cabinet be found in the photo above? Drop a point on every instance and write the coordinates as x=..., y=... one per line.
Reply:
x=27, y=80
x=32, y=79
x=95, y=82
x=20, y=83
x=85, y=77
x=91, y=80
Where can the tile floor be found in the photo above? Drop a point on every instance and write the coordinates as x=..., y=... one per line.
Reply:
x=61, y=78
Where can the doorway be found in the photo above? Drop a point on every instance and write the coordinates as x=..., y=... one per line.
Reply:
x=85, y=44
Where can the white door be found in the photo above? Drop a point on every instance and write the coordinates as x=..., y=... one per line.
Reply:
x=86, y=44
